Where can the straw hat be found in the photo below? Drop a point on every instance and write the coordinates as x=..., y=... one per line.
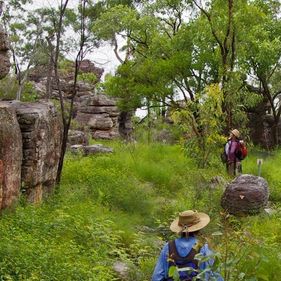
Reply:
x=189, y=221
x=236, y=133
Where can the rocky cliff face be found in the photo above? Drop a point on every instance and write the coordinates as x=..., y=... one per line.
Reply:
x=4, y=56
x=10, y=156
x=30, y=140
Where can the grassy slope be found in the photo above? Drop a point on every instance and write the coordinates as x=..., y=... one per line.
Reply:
x=118, y=207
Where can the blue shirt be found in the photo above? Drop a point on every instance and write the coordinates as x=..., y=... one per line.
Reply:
x=184, y=246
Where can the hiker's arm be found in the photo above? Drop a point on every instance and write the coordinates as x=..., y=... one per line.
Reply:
x=161, y=267
x=226, y=148
x=209, y=275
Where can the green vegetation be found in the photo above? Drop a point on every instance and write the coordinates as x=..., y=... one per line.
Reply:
x=204, y=64
x=118, y=208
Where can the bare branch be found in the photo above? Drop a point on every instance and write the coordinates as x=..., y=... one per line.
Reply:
x=114, y=40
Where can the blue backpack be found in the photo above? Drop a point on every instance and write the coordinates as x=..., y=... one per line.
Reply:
x=181, y=263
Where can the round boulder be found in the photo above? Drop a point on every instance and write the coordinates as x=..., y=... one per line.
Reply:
x=246, y=194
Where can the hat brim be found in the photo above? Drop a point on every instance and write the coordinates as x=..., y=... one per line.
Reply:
x=237, y=135
x=204, y=220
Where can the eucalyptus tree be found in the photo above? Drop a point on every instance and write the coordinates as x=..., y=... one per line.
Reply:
x=109, y=28
x=25, y=33
x=163, y=65
x=181, y=49
x=260, y=53
x=143, y=34
x=217, y=23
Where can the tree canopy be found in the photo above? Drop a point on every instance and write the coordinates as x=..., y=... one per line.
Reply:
x=170, y=51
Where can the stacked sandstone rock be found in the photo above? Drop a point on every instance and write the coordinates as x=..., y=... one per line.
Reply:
x=95, y=112
x=30, y=146
x=100, y=114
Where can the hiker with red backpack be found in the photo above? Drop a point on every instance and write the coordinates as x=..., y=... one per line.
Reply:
x=235, y=151
x=181, y=252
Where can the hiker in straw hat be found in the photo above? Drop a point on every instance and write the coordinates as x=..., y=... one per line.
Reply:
x=181, y=251
x=233, y=163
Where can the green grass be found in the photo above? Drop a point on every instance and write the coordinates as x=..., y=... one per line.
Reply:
x=119, y=207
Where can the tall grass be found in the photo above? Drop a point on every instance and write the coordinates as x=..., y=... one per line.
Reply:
x=118, y=207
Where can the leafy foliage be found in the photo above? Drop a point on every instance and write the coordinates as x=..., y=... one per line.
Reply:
x=9, y=87
x=202, y=123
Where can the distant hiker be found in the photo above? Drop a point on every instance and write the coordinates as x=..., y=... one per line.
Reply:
x=180, y=253
x=235, y=151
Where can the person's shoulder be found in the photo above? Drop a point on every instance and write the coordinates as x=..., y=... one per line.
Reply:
x=205, y=250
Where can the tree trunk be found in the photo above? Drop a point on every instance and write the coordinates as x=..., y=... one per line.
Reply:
x=63, y=150
x=125, y=125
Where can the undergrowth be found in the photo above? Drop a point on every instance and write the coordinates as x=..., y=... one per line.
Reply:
x=118, y=207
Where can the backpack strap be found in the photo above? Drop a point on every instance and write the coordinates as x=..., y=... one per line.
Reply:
x=182, y=262
x=175, y=258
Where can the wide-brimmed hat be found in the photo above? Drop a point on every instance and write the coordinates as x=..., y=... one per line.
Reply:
x=189, y=221
x=236, y=133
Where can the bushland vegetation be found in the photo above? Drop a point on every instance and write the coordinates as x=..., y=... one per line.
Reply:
x=222, y=58
x=118, y=207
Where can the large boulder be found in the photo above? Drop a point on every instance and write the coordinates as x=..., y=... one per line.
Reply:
x=96, y=149
x=246, y=194
x=10, y=156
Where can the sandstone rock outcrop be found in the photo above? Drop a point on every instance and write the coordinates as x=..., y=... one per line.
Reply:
x=246, y=194
x=10, y=156
x=4, y=56
x=100, y=114
x=94, y=112
x=41, y=133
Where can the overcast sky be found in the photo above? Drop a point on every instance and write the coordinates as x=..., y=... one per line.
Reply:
x=103, y=57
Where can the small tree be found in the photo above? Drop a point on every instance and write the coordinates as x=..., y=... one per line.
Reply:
x=79, y=24
x=202, y=136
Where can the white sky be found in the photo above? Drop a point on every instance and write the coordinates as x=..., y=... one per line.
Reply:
x=103, y=57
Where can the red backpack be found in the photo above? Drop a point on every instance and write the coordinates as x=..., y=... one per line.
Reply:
x=242, y=151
